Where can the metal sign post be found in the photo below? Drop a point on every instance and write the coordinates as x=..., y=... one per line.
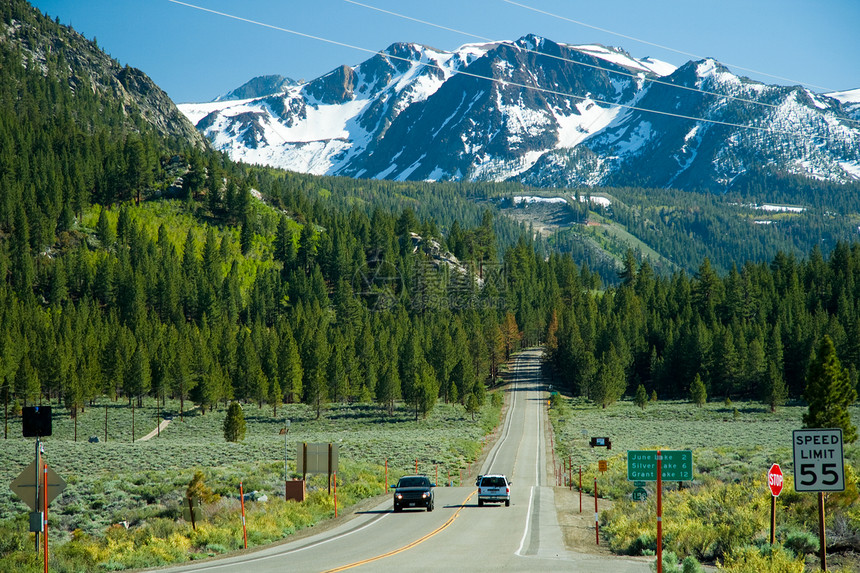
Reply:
x=659, y=512
x=596, y=515
x=286, y=455
x=657, y=465
x=819, y=466
x=38, y=485
x=45, y=524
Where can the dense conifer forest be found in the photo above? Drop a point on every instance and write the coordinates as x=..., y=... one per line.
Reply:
x=133, y=264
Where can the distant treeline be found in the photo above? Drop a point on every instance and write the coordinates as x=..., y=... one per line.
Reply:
x=133, y=265
x=748, y=334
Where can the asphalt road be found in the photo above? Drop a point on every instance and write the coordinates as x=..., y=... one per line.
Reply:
x=458, y=535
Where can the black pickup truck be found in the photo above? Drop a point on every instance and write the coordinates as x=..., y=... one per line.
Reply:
x=414, y=491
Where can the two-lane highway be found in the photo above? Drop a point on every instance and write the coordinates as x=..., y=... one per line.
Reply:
x=458, y=535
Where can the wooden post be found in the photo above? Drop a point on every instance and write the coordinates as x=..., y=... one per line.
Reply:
x=244, y=528
x=304, y=460
x=596, y=515
x=38, y=484
x=580, y=489
x=569, y=473
x=821, y=536
x=191, y=512
x=659, y=512
x=772, y=519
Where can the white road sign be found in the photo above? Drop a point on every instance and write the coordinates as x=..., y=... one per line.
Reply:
x=818, y=460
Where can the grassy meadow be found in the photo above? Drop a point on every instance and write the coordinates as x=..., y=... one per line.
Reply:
x=723, y=516
x=142, y=484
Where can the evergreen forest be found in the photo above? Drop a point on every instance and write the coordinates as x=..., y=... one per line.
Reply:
x=134, y=264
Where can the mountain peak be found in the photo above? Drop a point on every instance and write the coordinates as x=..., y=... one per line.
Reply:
x=259, y=86
x=539, y=112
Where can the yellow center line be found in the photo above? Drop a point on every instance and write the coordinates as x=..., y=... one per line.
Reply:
x=405, y=547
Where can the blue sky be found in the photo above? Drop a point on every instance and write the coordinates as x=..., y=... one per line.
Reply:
x=195, y=55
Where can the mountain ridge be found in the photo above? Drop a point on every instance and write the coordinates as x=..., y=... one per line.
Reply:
x=412, y=112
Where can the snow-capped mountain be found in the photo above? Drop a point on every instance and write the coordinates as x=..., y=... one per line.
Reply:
x=259, y=87
x=543, y=113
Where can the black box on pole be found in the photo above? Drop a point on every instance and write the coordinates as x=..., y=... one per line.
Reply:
x=36, y=421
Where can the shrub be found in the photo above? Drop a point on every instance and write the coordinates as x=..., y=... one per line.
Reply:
x=801, y=542
x=749, y=559
x=671, y=564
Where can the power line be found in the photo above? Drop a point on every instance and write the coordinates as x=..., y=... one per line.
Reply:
x=495, y=80
x=568, y=60
x=662, y=47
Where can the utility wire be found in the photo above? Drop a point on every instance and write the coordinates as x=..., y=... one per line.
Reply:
x=495, y=80
x=594, y=66
x=567, y=60
x=662, y=47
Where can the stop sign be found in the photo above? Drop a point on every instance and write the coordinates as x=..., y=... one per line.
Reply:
x=774, y=479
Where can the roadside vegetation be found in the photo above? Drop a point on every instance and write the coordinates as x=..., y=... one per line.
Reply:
x=142, y=273
x=723, y=516
x=117, y=513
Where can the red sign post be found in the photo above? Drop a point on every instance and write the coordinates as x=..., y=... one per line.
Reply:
x=774, y=482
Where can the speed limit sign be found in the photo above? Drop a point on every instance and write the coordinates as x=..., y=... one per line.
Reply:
x=818, y=461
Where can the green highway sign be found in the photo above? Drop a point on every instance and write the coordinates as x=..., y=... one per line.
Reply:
x=642, y=465
x=640, y=494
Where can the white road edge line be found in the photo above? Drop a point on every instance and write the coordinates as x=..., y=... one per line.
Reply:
x=528, y=523
x=537, y=484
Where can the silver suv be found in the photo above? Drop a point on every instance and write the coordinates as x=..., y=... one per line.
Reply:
x=493, y=488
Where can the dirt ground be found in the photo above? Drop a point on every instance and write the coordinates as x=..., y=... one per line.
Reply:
x=578, y=528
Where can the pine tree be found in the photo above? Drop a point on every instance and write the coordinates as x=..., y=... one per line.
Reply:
x=138, y=379
x=290, y=370
x=776, y=392
x=511, y=334
x=698, y=393
x=276, y=396
x=104, y=230
x=829, y=393
x=388, y=389
x=610, y=383
x=641, y=398
x=315, y=385
x=234, y=423
x=27, y=384
x=428, y=392
x=472, y=406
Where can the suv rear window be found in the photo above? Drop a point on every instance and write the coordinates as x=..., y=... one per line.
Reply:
x=493, y=482
x=413, y=482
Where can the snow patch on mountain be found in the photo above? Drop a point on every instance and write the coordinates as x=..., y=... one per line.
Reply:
x=408, y=113
x=623, y=59
x=590, y=119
